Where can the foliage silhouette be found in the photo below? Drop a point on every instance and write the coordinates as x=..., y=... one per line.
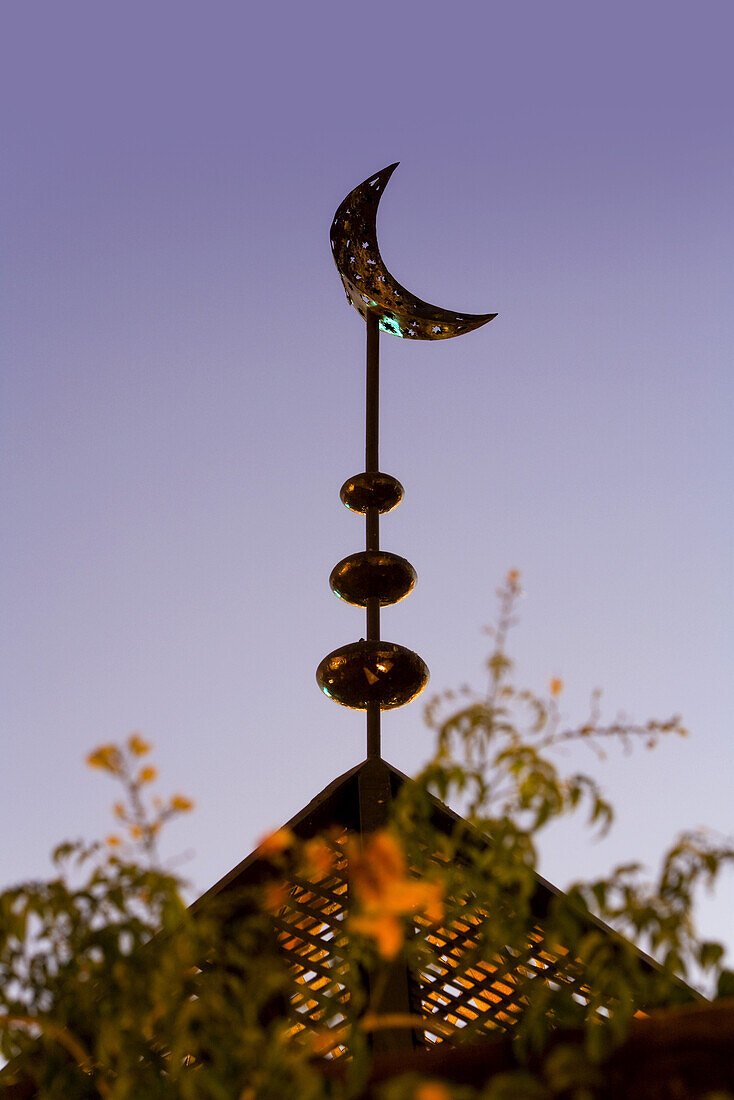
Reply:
x=112, y=988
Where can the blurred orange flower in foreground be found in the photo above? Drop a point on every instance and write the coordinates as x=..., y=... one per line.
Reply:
x=385, y=891
x=274, y=844
x=181, y=803
x=147, y=774
x=107, y=757
x=556, y=686
x=432, y=1090
x=136, y=745
x=320, y=856
x=275, y=896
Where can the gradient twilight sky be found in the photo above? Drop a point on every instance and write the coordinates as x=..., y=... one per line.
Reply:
x=183, y=394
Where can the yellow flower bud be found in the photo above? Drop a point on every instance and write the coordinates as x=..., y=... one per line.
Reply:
x=136, y=745
x=181, y=803
x=107, y=757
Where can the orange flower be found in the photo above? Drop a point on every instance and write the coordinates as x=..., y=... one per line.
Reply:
x=113, y=841
x=556, y=686
x=147, y=774
x=107, y=757
x=384, y=928
x=324, y=1039
x=385, y=891
x=136, y=745
x=181, y=803
x=274, y=844
x=513, y=576
x=136, y=832
x=375, y=867
x=432, y=1090
x=319, y=856
x=275, y=895
x=119, y=810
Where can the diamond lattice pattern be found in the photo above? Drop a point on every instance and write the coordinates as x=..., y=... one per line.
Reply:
x=459, y=995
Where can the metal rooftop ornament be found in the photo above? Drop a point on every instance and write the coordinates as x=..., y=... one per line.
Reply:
x=370, y=287
x=372, y=674
x=455, y=994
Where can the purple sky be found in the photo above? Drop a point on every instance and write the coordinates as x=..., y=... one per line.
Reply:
x=183, y=393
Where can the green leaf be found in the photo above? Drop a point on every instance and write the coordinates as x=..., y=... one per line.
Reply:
x=725, y=986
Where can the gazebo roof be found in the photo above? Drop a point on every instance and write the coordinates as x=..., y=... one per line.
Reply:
x=458, y=997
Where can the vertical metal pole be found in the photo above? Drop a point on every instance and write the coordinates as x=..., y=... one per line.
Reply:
x=372, y=465
x=373, y=394
x=391, y=980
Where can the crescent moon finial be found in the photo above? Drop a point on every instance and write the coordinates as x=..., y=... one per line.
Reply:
x=369, y=285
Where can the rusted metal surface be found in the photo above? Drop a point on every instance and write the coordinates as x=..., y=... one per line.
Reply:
x=370, y=287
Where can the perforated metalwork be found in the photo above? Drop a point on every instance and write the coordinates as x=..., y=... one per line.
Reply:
x=476, y=997
x=370, y=287
x=309, y=930
x=459, y=996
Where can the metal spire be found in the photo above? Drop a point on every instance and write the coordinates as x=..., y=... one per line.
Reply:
x=372, y=674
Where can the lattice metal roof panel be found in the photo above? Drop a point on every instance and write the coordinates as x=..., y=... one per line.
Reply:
x=460, y=995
